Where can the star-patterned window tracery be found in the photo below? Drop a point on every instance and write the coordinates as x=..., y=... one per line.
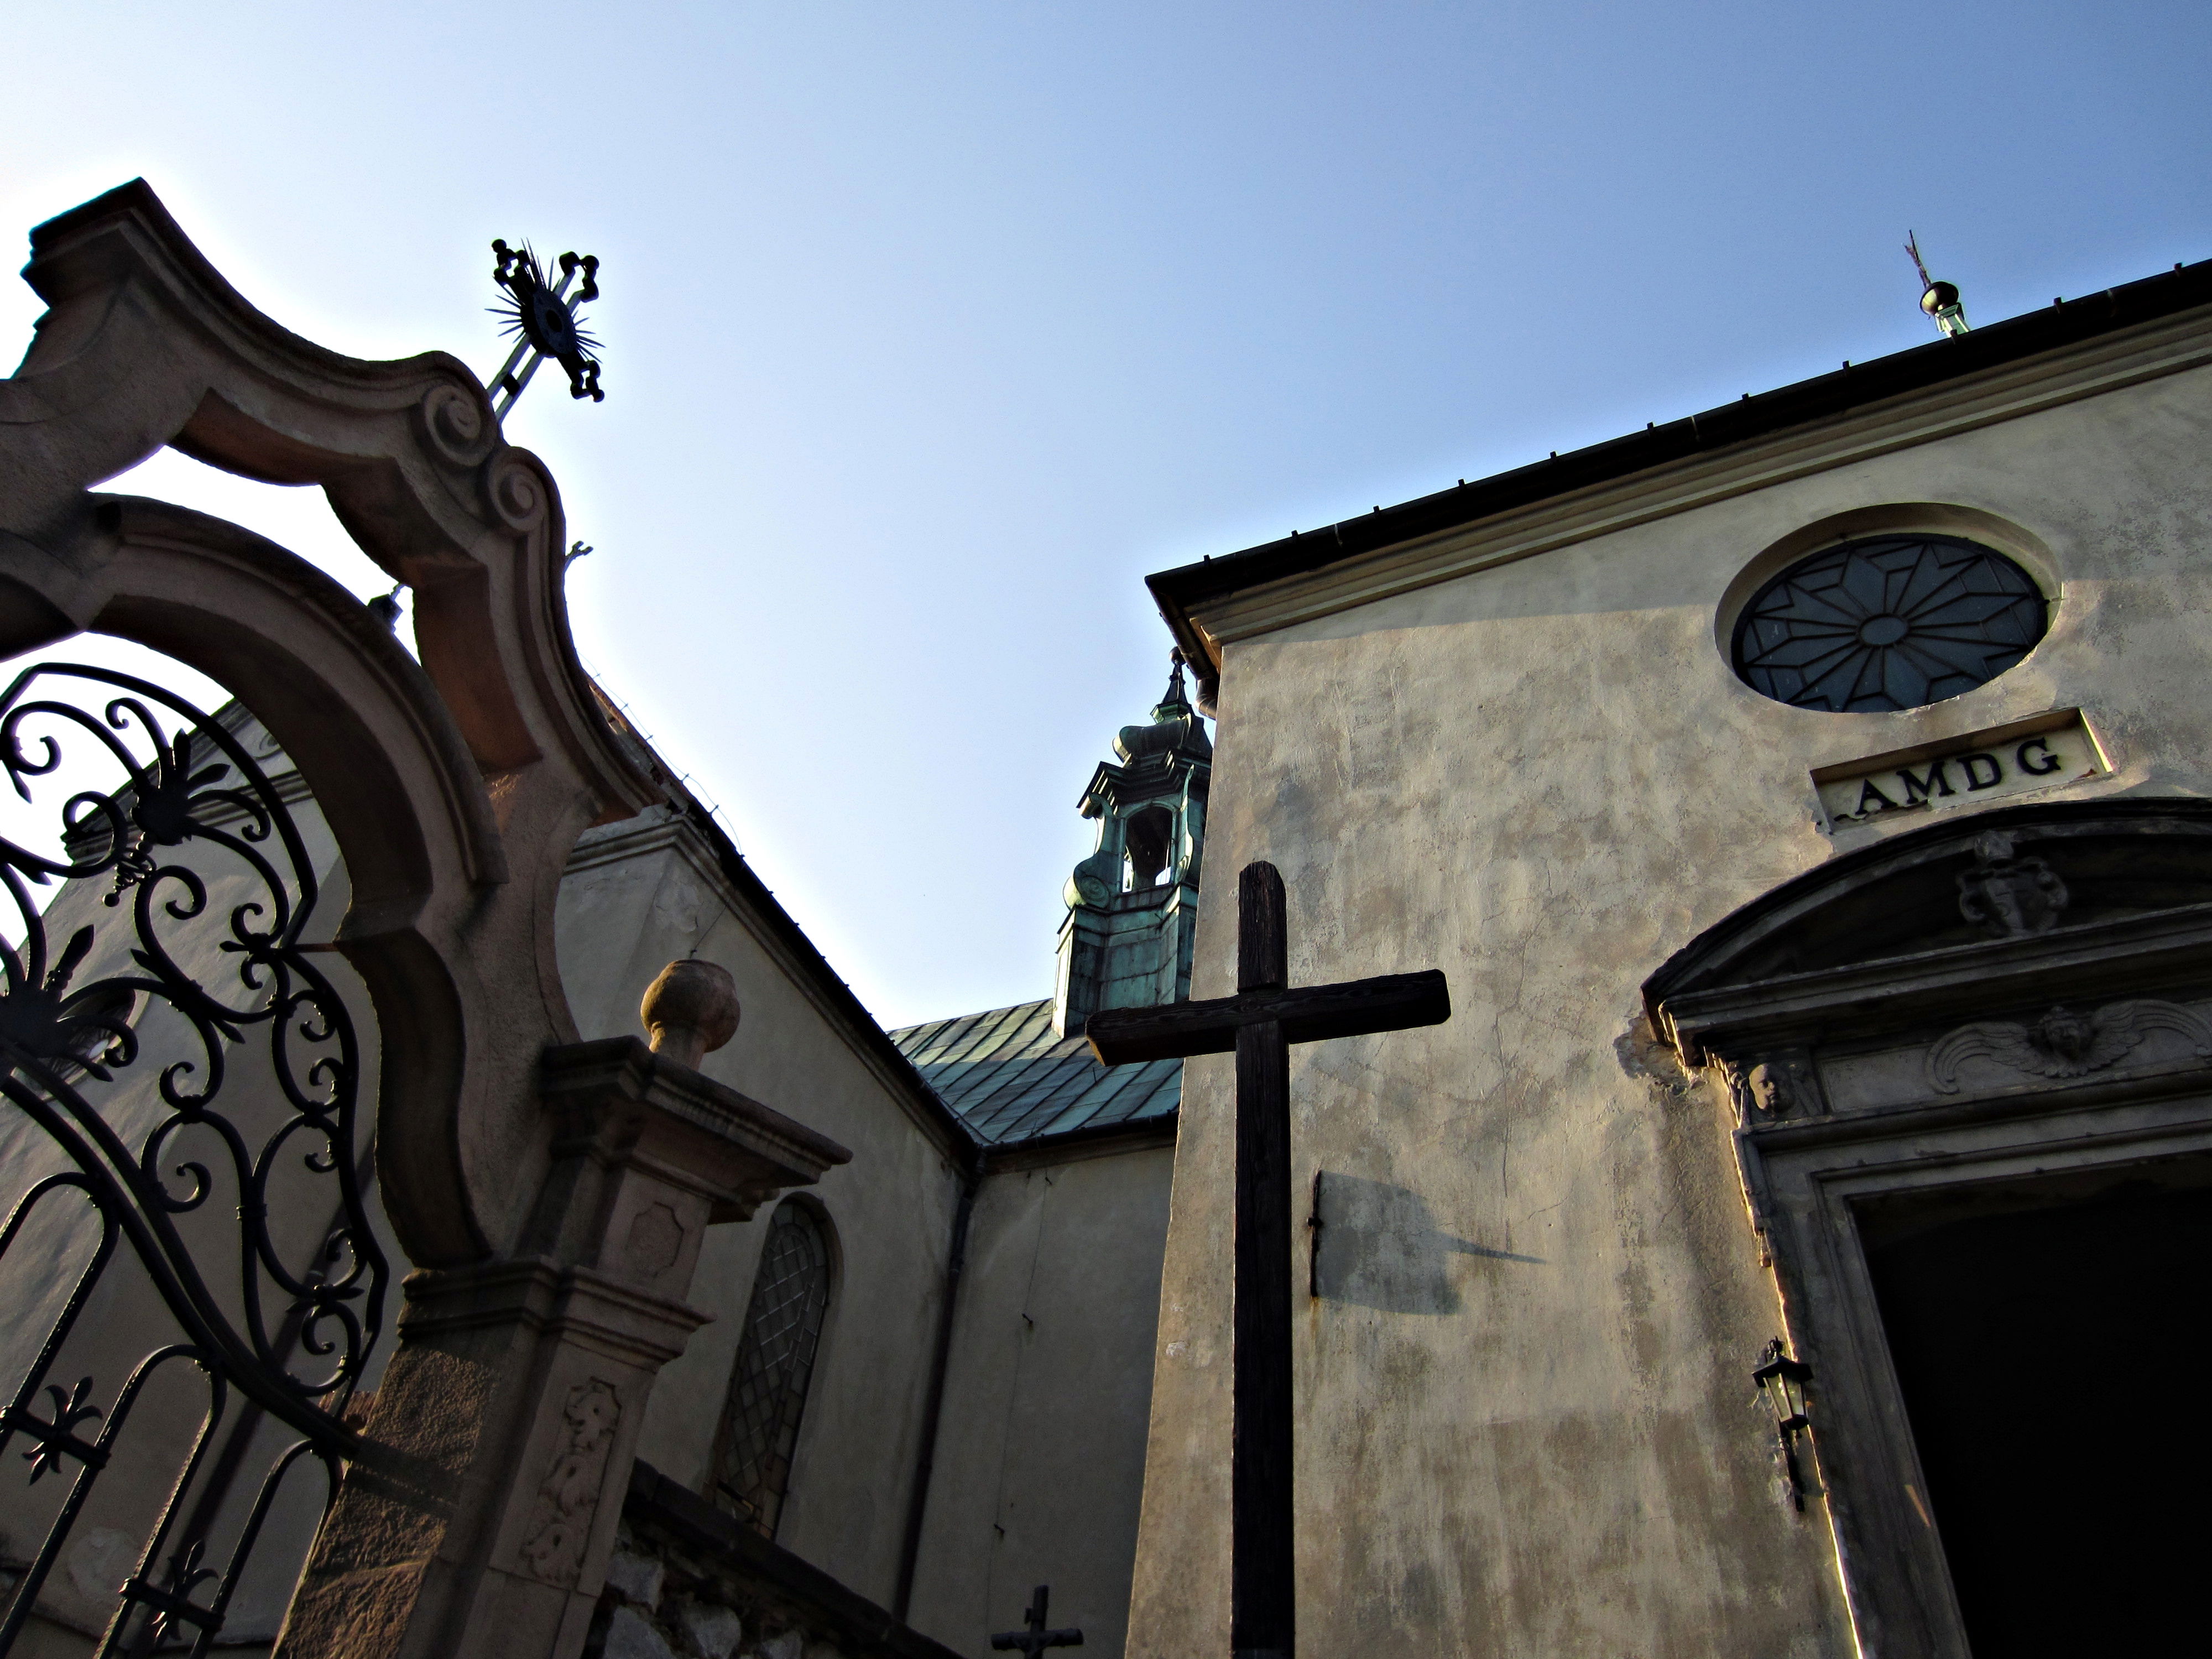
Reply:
x=1888, y=622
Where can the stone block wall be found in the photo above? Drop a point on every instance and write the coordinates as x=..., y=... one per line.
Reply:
x=690, y=1582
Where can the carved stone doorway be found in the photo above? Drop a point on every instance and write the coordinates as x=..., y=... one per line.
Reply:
x=1964, y=1076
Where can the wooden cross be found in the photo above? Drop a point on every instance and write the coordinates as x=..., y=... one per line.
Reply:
x=1037, y=1639
x=1259, y=1023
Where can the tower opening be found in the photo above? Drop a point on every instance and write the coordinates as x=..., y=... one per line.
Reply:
x=1151, y=838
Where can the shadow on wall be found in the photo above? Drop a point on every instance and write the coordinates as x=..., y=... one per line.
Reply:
x=1376, y=1246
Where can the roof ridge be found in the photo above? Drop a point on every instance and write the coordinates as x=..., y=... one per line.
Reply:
x=896, y=1033
x=1010, y=1077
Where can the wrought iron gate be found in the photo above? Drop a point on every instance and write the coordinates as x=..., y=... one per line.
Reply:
x=169, y=1046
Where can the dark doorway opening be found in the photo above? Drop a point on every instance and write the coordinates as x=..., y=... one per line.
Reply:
x=2051, y=1342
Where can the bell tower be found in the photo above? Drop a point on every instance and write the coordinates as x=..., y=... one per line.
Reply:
x=1133, y=904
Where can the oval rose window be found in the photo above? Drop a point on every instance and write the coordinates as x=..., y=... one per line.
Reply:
x=1887, y=622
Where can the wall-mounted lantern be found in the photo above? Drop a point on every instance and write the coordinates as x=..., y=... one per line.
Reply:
x=1781, y=1380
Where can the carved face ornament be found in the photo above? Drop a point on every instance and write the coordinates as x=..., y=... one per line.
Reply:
x=1769, y=1089
x=591, y=1412
x=2065, y=1033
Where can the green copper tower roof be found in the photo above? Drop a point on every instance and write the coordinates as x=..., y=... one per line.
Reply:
x=1010, y=1077
x=1021, y=1073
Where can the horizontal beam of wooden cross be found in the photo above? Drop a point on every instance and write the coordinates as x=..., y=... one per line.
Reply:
x=1394, y=1002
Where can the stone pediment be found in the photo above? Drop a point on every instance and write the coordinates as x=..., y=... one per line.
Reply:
x=1944, y=916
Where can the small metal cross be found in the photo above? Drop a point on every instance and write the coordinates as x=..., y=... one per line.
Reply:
x=1037, y=1639
x=546, y=321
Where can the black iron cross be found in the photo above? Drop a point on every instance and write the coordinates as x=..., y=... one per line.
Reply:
x=1259, y=1023
x=546, y=321
x=1037, y=1639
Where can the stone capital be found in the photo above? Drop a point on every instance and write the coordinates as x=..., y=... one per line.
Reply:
x=647, y=1154
x=616, y=1099
x=573, y=1305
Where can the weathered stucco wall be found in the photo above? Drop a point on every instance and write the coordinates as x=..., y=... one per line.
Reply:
x=639, y=896
x=1534, y=1432
x=1040, y=1467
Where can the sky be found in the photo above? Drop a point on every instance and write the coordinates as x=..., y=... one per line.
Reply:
x=930, y=329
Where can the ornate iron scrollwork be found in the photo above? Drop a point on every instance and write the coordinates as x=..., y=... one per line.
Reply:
x=209, y=893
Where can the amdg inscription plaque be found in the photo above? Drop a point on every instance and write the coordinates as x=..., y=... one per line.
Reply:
x=1977, y=768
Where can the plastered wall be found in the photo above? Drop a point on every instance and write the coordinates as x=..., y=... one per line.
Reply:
x=1041, y=1464
x=1536, y=1434
x=636, y=900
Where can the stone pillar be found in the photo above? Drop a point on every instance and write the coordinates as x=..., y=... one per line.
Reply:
x=481, y=1514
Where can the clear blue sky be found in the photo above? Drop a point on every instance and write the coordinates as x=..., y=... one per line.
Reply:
x=932, y=329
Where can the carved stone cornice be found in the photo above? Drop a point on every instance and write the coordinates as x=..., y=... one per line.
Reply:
x=620, y=1103
x=539, y=1295
x=2088, y=961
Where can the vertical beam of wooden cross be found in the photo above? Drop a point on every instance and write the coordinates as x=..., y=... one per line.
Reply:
x=1037, y=1639
x=1259, y=1023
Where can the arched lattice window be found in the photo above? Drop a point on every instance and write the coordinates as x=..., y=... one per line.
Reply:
x=775, y=1360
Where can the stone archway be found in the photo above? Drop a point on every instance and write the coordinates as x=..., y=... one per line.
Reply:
x=455, y=790
x=513, y=1160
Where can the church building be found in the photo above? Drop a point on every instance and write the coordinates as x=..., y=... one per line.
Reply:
x=1806, y=801
x=1773, y=1239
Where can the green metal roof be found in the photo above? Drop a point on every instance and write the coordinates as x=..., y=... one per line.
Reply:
x=1010, y=1077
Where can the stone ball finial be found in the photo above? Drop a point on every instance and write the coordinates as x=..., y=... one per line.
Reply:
x=689, y=1011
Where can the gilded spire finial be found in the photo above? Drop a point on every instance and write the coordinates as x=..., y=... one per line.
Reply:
x=1939, y=299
